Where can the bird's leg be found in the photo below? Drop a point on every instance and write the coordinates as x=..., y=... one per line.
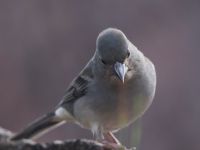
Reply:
x=110, y=141
x=107, y=139
x=111, y=138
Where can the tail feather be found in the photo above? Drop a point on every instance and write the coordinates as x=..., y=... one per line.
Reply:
x=46, y=122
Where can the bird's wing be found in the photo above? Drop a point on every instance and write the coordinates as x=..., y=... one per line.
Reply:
x=78, y=87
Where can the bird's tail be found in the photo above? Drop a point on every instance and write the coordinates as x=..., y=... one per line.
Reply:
x=38, y=127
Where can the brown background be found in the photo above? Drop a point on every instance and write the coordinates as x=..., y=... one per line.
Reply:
x=44, y=44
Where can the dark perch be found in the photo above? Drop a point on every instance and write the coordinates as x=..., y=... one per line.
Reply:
x=5, y=144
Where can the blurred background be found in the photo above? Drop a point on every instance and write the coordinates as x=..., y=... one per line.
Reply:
x=44, y=44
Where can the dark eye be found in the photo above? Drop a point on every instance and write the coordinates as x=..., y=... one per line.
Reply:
x=128, y=54
x=103, y=61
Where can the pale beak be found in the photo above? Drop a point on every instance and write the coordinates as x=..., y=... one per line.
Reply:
x=121, y=70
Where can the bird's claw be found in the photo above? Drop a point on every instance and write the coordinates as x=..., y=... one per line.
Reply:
x=113, y=146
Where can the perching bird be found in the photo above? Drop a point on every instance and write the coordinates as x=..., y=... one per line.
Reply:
x=114, y=89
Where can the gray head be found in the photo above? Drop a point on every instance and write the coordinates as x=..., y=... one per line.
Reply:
x=112, y=48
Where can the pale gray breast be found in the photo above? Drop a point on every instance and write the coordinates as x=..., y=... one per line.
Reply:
x=114, y=104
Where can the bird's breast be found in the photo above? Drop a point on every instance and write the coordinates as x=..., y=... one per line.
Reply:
x=113, y=105
x=116, y=104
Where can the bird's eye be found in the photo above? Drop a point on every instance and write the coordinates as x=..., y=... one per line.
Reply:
x=128, y=54
x=103, y=61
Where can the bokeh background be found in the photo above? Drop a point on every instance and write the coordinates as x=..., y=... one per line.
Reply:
x=44, y=44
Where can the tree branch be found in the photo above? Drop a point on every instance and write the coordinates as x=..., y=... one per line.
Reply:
x=82, y=144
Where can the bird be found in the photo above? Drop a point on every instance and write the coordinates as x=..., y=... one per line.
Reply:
x=112, y=91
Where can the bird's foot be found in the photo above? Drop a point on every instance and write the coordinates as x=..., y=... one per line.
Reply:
x=113, y=146
x=111, y=142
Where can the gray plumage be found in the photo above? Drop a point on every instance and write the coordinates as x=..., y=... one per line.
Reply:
x=114, y=89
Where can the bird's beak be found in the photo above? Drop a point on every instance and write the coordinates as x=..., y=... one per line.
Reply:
x=121, y=70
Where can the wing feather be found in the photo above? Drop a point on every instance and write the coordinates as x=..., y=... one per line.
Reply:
x=77, y=88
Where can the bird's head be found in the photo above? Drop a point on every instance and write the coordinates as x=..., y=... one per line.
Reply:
x=112, y=48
